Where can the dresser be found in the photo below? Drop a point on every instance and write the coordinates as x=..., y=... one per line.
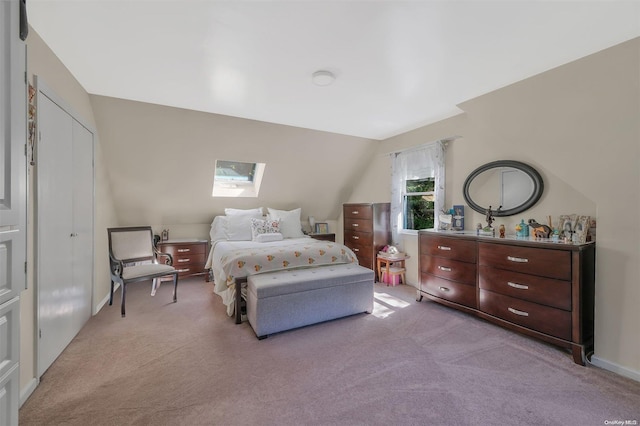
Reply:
x=540, y=288
x=189, y=256
x=367, y=230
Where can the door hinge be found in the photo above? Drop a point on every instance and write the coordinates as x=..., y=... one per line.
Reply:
x=25, y=149
x=40, y=333
x=25, y=267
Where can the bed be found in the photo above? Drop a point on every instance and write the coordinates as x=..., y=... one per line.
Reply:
x=245, y=243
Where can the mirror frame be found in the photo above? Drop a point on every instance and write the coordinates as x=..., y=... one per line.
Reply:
x=538, y=187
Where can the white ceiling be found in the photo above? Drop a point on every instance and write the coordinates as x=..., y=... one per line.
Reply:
x=399, y=65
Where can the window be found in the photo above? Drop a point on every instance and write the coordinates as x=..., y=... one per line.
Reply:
x=237, y=179
x=418, y=204
x=417, y=188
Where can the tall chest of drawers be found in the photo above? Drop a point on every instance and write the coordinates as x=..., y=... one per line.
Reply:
x=189, y=256
x=366, y=230
x=538, y=288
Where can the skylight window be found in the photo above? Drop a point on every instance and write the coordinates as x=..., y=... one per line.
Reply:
x=237, y=179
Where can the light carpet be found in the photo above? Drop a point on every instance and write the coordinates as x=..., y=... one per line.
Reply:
x=408, y=363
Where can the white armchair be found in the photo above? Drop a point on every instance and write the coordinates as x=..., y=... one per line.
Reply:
x=133, y=257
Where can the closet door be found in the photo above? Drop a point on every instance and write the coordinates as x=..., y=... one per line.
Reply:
x=82, y=240
x=64, y=227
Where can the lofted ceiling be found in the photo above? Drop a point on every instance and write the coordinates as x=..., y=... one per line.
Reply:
x=398, y=65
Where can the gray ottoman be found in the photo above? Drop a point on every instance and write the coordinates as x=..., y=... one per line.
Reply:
x=278, y=301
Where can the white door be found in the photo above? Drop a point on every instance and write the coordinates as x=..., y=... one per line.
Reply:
x=12, y=205
x=64, y=167
x=82, y=241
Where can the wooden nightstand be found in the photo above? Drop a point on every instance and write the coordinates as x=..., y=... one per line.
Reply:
x=189, y=256
x=324, y=237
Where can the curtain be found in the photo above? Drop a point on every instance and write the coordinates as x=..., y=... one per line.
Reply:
x=416, y=163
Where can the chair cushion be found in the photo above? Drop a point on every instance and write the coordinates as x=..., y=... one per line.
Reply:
x=145, y=269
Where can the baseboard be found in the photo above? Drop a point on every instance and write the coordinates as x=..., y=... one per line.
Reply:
x=105, y=300
x=616, y=368
x=28, y=390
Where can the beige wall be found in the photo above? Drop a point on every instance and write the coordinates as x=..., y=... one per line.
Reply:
x=42, y=62
x=578, y=125
x=161, y=165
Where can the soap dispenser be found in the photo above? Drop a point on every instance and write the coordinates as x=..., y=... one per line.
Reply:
x=525, y=228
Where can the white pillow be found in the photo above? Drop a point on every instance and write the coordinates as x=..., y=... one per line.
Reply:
x=239, y=227
x=257, y=212
x=260, y=226
x=290, y=226
x=219, y=229
x=265, y=238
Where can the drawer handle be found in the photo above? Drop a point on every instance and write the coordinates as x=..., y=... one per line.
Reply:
x=444, y=268
x=355, y=212
x=355, y=237
x=518, y=286
x=355, y=249
x=184, y=270
x=517, y=312
x=445, y=248
x=517, y=259
x=355, y=225
x=183, y=250
x=444, y=289
x=183, y=260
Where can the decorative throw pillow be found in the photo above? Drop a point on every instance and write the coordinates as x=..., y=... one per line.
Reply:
x=266, y=238
x=259, y=226
x=290, y=225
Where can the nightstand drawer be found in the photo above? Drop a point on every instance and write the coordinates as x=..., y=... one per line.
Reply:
x=181, y=249
x=189, y=257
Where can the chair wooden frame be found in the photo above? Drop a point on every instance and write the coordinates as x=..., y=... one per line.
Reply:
x=137, y=261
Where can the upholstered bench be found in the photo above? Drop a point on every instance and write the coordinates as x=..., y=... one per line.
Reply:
x=283, y=300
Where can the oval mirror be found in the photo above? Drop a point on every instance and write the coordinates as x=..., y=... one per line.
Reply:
x=507, y=187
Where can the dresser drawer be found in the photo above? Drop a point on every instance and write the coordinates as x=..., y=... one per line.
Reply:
x=357, y=238
x=546, y=291
x=362, y=225
x=453, y=291
x=452, y=248
x=449, y=269
x=357, y=211
x=528, y=260
x=551, y=321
